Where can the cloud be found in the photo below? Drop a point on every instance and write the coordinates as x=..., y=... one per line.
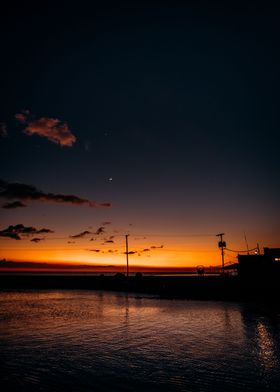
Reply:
x=21, y=117
x=13, y=204
x=16, y=232
x=111, y=251
x=31, y=193
x=71, y=242
x=3, y=130
x=106, y=223
x=146, y=250
x=157, y=247
x=8, y=234
x=44, y=231
x=100, y=230
x=109, y=242
x=80, y=235
x=36, y=239
x=53, y=129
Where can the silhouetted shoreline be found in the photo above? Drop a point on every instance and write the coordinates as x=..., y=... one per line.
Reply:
x=229, y=288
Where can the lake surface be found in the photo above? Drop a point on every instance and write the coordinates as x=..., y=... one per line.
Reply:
x=100, y=341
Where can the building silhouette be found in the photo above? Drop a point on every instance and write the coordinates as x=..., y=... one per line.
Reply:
x=260, y=266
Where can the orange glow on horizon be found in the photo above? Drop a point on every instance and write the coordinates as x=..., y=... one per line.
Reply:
x=161, y=259
x=148, y=253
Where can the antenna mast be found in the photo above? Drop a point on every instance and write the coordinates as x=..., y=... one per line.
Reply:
x=246, y=242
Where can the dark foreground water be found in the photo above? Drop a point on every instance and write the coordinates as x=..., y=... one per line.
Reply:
x=94, y=341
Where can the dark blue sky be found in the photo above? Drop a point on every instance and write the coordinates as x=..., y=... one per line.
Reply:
x=177, y=103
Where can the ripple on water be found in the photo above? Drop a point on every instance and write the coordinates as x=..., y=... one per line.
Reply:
x=82, y=340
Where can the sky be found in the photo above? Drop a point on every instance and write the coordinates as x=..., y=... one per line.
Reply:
x=157, y=119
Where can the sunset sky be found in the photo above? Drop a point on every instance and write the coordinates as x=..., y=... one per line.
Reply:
x=153, y=119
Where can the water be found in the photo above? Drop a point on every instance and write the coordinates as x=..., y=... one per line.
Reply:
x=97, y=341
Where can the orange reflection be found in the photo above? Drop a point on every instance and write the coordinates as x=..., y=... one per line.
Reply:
x=266, y=346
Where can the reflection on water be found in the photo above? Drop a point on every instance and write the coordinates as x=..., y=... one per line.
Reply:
x=84, y=341
x=266, y=347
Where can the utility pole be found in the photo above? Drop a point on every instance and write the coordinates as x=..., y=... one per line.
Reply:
x=222, y=244
x=126, y=247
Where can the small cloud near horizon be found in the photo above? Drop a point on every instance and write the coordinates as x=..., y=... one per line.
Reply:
x=16, y=232
x=80, y=235
x=45, y=231
x=36, y=239
x=100, y=230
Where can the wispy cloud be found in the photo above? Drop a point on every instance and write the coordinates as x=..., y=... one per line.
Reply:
x=100, y=230
x=16, y=232
x=13, y=204
x=9, y=234
x=37, y=239
x=110, y=251
x=44, y=231
x=80, y=235
x=21, y=117
x=53, y=129
x=3, y=130
x=31, y=193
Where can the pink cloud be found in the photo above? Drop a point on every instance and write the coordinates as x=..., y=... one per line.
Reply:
x=21, y=117
x=51, y=128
